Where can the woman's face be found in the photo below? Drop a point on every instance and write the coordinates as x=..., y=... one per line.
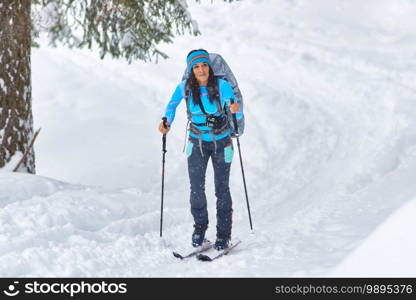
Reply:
x=201, y=72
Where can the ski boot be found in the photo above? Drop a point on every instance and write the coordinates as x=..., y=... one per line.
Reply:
x=222, y=242
x=199, y=234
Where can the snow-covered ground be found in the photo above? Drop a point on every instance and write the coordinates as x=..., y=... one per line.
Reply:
x=329, y=150
x=389, y=251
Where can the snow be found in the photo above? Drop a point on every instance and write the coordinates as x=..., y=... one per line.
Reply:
x=14, y=161
x=127, y=40
x=329, y=150
x=390, y=243
x=48, y=15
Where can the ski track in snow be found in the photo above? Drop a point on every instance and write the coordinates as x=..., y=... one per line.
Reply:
x=329, y=150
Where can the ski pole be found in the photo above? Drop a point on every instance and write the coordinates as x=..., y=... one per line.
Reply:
x=163, y=174
x=241, y=163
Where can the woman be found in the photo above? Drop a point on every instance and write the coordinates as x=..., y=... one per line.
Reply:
x=209, y=137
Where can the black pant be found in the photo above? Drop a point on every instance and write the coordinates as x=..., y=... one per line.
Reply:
x=221, y=158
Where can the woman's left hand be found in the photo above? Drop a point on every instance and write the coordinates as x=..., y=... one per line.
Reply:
x=234, y=107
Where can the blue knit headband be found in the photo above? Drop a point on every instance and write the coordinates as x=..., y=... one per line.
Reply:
x=197, y=57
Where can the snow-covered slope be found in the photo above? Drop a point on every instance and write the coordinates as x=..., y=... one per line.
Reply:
x=389, y=251
x=329, y=148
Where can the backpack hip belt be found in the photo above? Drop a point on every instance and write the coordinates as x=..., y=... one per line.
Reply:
x=212, y=132
x=216, y=123
x=221, y=128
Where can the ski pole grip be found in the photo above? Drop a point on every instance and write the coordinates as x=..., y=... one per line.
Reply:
x=164, y=136
x=164, y=119
x=234, y=116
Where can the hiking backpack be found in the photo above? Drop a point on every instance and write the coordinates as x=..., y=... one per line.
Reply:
x=223, y=71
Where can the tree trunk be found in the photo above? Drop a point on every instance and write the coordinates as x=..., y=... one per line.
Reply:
x=16, y=120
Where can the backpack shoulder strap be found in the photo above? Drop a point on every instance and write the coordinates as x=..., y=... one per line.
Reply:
x=221, y=109
x=187, y=97
x=188, y=94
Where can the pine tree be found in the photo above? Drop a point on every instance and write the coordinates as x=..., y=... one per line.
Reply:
x=131, y=29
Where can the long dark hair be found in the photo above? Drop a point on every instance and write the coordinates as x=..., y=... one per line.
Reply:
x=193, y=85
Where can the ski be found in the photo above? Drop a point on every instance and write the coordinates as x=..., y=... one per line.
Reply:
x=203, y=257
x=206, y=245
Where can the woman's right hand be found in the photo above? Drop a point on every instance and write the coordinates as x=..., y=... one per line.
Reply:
x=163, y=129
